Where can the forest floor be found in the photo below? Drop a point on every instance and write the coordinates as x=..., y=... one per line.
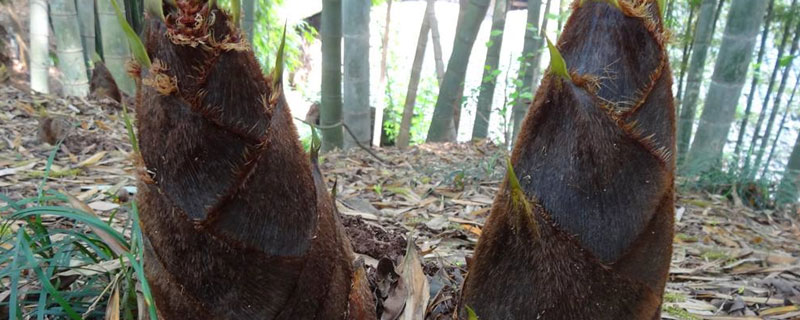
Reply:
x=729, y=261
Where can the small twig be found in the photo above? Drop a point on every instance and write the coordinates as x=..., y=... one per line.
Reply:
x=342, y=124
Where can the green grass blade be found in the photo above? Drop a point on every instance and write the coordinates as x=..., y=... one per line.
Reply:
x=136, y=231
x=46, y=175
x=138, y=243
x=277, y=71
x=129, y=127
x=70, y=213
x=45, y=281
x=148, y=295
x=471, y=314
x=15, y=271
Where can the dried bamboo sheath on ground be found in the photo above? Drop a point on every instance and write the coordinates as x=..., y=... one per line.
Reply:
x=582, y=227
x=237, y=225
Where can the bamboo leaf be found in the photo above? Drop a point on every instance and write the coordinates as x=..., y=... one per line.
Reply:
x=146, y=292
x=133, y=39
x=471, y=314
x=45, y=281
x=277, y=71
x=513, y=181
x=316, y=143
x=129, y=127
x=70, y=213
x=557, y=64
x=236, y=12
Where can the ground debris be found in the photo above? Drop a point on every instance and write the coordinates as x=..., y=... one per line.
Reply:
x=729, y=261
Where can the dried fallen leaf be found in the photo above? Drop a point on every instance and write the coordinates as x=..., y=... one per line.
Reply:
x=92, y=160
x=112, y=310
x=409, y=298
x=103, y=205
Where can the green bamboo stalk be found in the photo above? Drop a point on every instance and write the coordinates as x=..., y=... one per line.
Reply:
x=116, y=51
x=71, y=60
x=40, y=59
x=331, y=104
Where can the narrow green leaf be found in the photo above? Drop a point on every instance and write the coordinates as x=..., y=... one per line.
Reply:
x=236, y=11
x=277, y=71
x=471, y=314
x=513, y=181
x=96, y=58
x=69, y=213
x=557, y=64
x=45, y=281
x=148, y=295
x=316, y=143
x=662, y=7
x=785, y=60
x=129, y=127
x=47, y=166
x=133, y=39
x=16, y=269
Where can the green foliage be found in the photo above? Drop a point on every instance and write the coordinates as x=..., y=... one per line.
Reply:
x=268, y=36
x=756, y=193
x=680, y=313
x=785, y=60
x=236, y=11
x=471, y=314
x=277, y=71
x=394, y=101
x=136, y=45
x=129, y=128
x=69, y=272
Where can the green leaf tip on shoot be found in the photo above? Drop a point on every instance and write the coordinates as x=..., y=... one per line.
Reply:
x=662, y=7
x=557, y=64
x=316, y=144
x=471, y=313
x=139, y=53
x=277, y=71
x=236, y=11
x=520, y=208
x=513, y=181
x=96, y=58
x=129, y=128
x=155, y=8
